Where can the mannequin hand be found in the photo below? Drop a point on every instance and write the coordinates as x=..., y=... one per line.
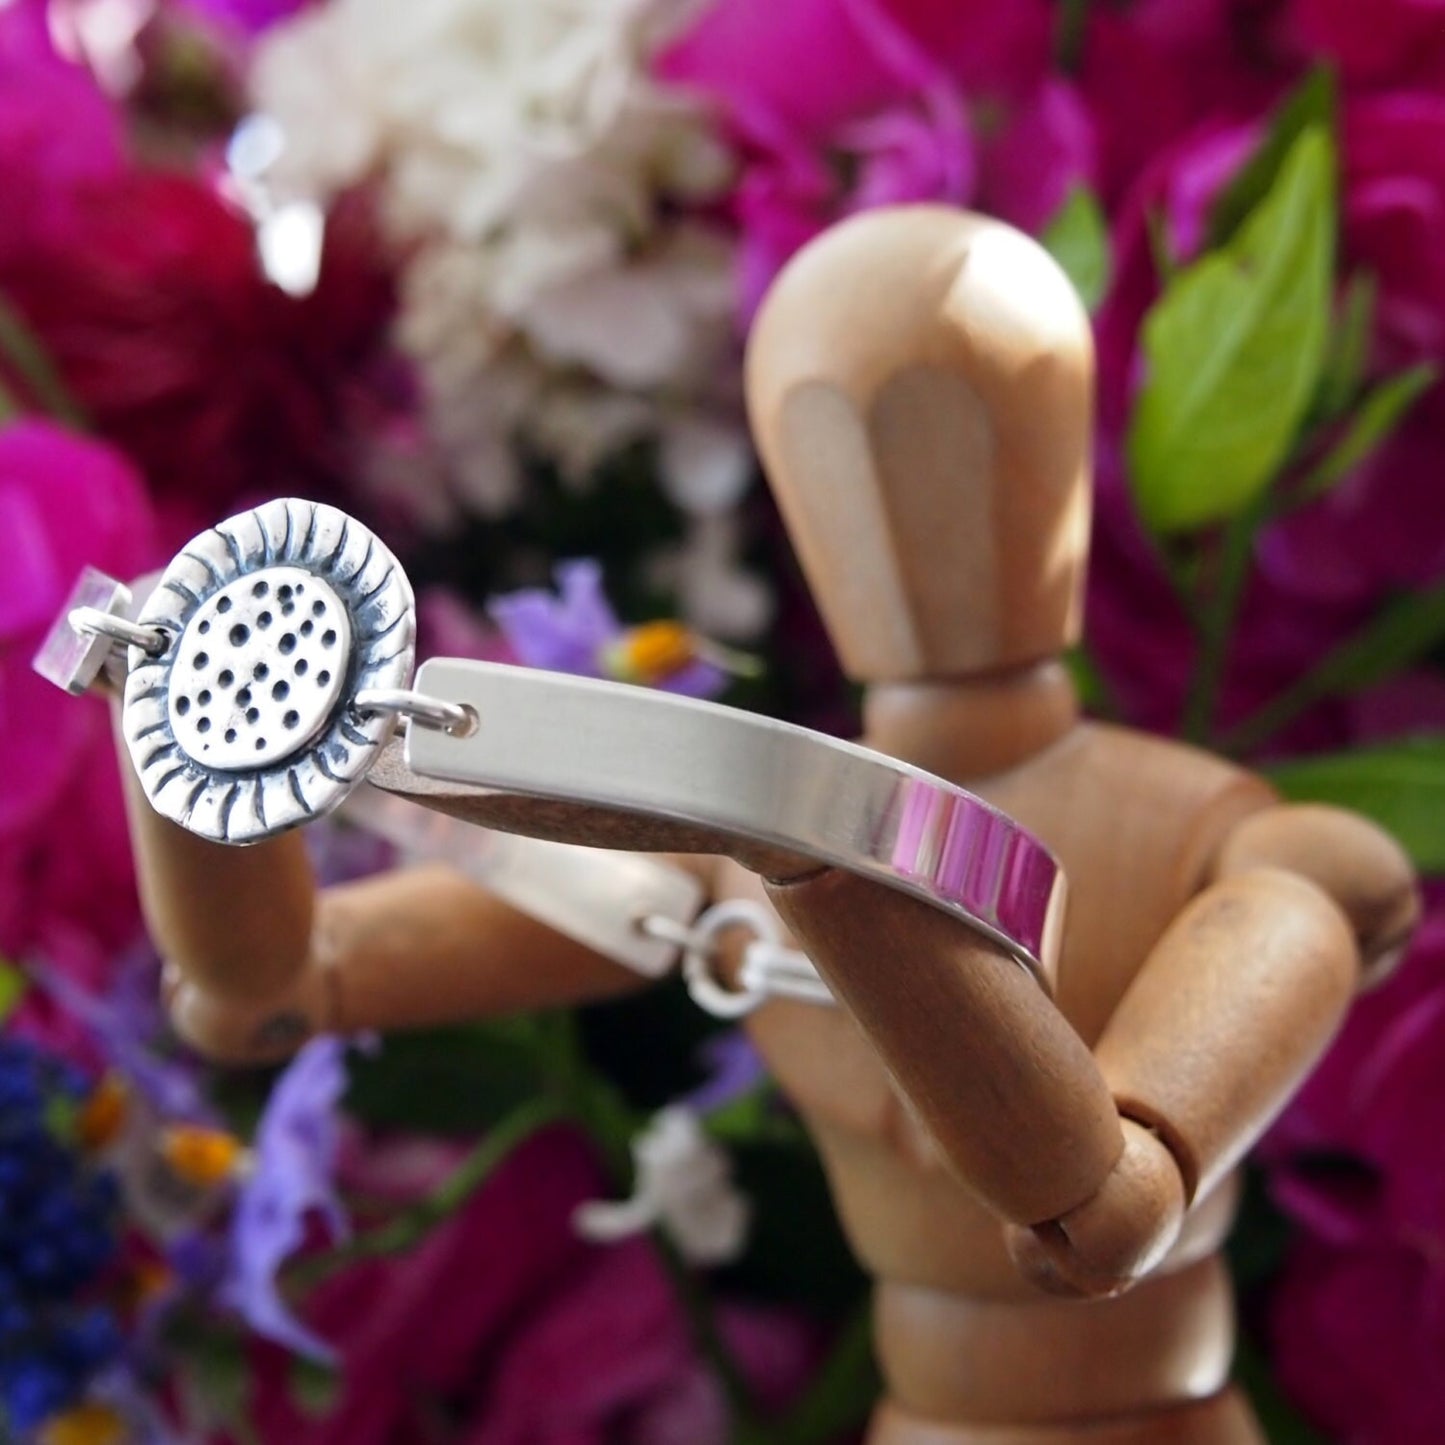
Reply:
x=1112, y=1240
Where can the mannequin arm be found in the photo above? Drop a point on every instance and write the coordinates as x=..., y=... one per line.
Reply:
x=1231, y=1010
x=1001, y=1080
x=258, y=959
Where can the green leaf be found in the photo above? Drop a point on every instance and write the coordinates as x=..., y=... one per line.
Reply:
x=1282, y=1423
x=1234, y=346
x=1401, y=786
x=216, y=1384
x=1403, y=633
x=1349, y=348
x=1069, y=31
x=844, y=1393
x=1161, y=249
x=1310, y=106
x=1382, y=410
x=315, y=1388
x=459, y=1080
x=1096, y=694
x=22, y=349
x=13, y=984
x=1078, y=239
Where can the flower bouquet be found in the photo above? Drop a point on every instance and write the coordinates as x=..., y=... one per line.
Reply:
x=479, y=271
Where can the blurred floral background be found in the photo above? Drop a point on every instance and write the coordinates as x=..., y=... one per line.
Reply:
x=479, y=272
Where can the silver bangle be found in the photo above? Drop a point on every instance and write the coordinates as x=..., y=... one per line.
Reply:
x=271, y=667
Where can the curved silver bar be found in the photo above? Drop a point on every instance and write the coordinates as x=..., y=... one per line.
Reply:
x=729, y=774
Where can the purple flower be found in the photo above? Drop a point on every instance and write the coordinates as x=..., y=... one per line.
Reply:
x=734, y=1068
x=292, y=1179
x=125, y=1024
x=577, y=631
x=564, y=633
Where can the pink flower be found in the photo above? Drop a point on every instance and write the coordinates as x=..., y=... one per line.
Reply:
x=504, y=1320
x=1358, y=1340
x=66, y=891
x=880, y=113
x=1155, y=70
x=420, y=1332
x=60, y=136
x=249, y=17
x=1359, y=1319
x=611, y=1359
x=1395, y=212
x=1384, y=41
x=221, y=388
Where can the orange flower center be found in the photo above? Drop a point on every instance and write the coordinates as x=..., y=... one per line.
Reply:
x=651, y=652
x=101, y=1118
x=203, y=1157
x=84, y=1425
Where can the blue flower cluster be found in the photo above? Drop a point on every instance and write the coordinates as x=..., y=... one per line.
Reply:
x=57, y=1234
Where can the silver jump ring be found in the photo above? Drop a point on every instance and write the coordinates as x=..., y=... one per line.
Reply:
x=417, y=707
x=700, y=956
x=92, y=622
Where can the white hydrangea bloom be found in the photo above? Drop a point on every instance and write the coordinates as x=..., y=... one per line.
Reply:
x=532, y=171
x=684, y=1187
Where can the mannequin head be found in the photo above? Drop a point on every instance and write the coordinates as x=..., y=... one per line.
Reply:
x=920, y=387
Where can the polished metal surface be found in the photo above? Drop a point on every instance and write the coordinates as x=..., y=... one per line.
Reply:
x=246, y=724
x=735, y=776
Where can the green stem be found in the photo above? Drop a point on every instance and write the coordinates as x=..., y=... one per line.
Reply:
x=844, y=1392
x=22, y=348
x=703, y=1326
x=411, y=1226
x=610, y=1124
x=1216, y=622
x=1278, y=712
x=1399, y=636
x=1069, y=38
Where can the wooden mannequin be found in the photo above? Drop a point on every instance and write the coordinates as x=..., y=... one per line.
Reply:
x=920, y=389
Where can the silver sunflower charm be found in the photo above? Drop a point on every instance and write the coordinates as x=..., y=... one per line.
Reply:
x=246, y=723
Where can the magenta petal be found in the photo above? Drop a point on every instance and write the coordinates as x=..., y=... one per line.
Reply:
x=1047, y=150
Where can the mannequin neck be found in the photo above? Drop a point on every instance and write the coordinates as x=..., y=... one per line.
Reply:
x=972, y=726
